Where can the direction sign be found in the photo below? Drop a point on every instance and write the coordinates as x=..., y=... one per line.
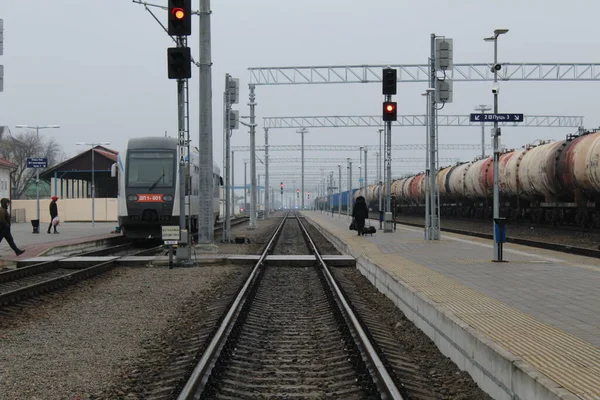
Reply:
x=497, y=117
x=37, y=163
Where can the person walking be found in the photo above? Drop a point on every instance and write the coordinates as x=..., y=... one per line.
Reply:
x=360, y=212
x=5, y=226
x=53, y=213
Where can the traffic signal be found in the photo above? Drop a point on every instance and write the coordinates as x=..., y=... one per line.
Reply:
x=389, y=81
x=298, y=193
x=180, y=18
x=308, y=194
x=390, y=111
x=281, y=186
x=234, y=119
x=179, y=62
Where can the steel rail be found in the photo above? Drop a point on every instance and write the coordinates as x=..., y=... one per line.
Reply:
x=42, y=287
x=197, y=381
x=382, y=378
x=45, y=266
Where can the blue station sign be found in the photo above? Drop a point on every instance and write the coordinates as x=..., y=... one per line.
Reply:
x=37, y=163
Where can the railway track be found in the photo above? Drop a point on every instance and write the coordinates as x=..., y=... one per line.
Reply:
x=19, y=284
x=290, y=332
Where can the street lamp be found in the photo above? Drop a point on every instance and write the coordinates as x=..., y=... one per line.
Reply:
x=37, y=170
x=93, y=181
x=496, y=211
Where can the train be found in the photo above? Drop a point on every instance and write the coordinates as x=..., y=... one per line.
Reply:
x=148, y=187
x=554, y=182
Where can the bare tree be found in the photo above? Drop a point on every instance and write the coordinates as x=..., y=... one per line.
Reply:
x=18, y=148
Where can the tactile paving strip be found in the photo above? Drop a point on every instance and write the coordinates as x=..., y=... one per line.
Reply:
x=569, y=361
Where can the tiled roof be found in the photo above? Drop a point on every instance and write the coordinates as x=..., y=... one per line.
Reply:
x=7, y=164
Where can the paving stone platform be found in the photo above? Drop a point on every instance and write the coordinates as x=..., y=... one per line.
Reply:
x=536, y=318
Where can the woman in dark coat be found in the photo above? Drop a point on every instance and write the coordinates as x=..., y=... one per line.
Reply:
x=5, y=227
x=53, y=213
x=360, y=214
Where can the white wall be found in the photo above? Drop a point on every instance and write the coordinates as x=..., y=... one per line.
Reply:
x=4, y=182
x=69, y=210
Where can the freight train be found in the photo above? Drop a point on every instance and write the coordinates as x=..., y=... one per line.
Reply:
x=551, y=182
x=149, y=188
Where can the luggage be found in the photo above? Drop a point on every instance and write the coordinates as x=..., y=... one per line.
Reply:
x=352, y=226
x=369, y=230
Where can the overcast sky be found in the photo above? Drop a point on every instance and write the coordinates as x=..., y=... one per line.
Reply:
x=98, y=67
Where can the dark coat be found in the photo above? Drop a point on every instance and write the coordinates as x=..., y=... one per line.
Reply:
x=360, y=212
x=53, y=209
x=4, y=218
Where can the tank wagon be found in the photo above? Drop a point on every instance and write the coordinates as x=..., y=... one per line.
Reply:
x=553, y=182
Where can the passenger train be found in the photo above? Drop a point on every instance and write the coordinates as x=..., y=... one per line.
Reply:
x=148, y=179
x=552, y=182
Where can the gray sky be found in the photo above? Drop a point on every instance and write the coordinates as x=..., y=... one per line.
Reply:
x=98, y=68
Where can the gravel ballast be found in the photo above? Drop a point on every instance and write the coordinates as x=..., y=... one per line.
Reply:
x=76, y=343
x=71, y=345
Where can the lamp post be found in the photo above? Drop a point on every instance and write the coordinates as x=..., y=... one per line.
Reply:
x=93, y=179
x=497, y=32
x=37, y=170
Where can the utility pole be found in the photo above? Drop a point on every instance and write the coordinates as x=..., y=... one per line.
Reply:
x=245, y=186
x=366, y=192
x=266, y=213
x=349, y=187
x=232, y=183
x=252, y=104
x=380, y=181
x=340, y=189
x=482, y=108
x=302, y=131
x=205, y=144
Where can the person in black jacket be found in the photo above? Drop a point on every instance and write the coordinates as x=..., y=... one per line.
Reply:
x=360, y=212
x=53, y=213
x=5, y=226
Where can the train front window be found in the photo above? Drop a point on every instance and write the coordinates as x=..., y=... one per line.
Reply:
x=155, y=169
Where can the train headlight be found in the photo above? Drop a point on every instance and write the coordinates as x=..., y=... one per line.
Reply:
x=132, y=197
x=167, y=197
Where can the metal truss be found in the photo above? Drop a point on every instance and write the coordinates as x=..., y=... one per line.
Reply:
x=349, y=147
x=419, y=73
x=344, y=160
x=294, y=168
x=360, y=121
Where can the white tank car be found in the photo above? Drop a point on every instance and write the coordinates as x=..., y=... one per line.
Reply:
x=148, y=175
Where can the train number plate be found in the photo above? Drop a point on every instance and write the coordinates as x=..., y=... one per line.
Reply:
x=150, y=198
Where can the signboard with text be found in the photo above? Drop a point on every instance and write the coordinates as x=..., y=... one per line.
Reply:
x=37, y=163
x=497, y=117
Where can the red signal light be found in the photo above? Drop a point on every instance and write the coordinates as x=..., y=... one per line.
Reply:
x=178, y=13
x=390, y=111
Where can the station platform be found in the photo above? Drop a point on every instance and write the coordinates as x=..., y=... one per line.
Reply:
x=71, y=233
x=525, y=329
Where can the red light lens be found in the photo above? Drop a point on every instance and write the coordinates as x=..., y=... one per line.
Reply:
x=390, y=108
x=178, y=13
